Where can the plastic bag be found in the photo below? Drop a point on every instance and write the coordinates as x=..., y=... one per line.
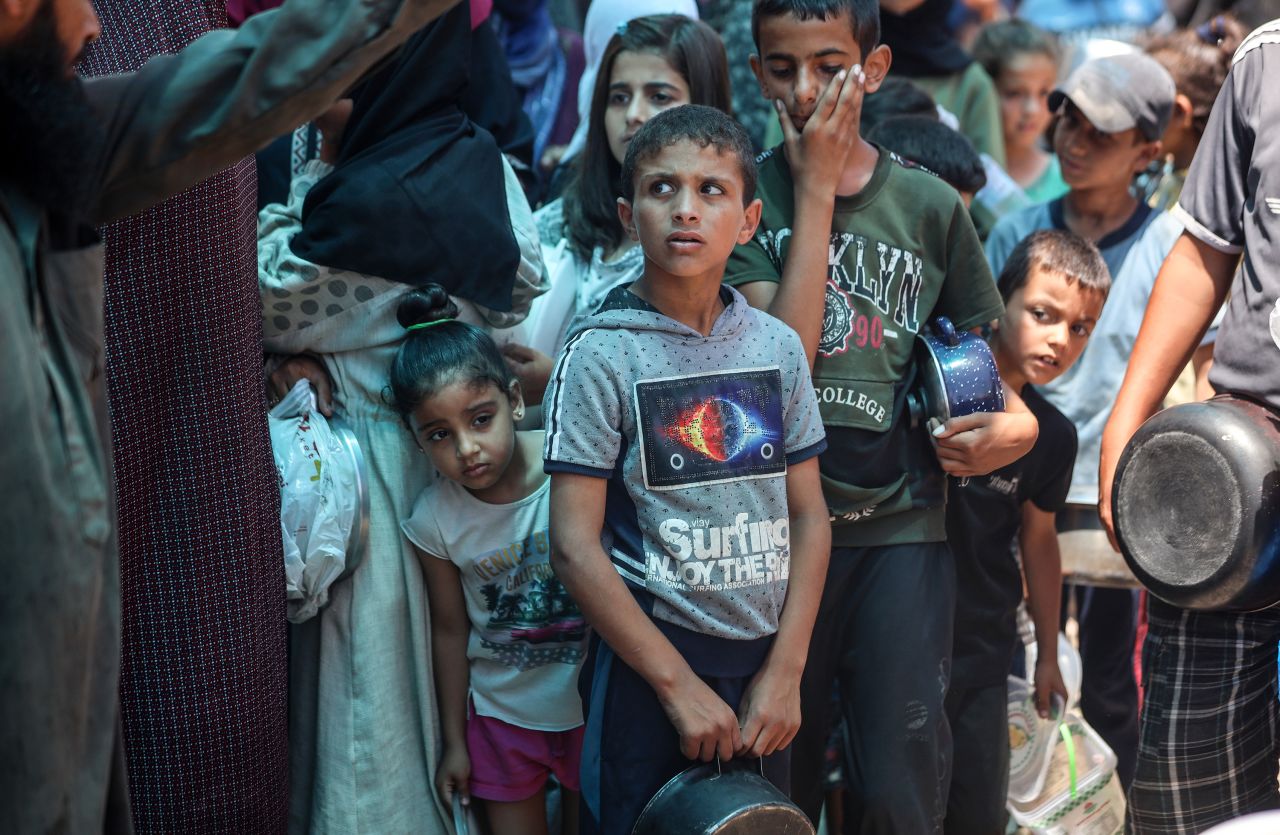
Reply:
x=318, y=499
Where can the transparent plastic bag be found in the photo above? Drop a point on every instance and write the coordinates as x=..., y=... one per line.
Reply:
x=319, y=500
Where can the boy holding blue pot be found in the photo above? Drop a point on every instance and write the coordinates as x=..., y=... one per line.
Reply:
x=1053, y=284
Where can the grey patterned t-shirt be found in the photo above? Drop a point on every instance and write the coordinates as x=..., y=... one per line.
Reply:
x=695, y=433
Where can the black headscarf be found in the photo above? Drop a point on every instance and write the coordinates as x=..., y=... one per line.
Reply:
x=491, y=99
x=922, y=42
x=418, y=193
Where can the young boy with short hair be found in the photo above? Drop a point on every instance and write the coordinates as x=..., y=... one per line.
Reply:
x=937, y=148
x=687, y=517
x=857, y=252
x=1111, y=113
x=1053, y=285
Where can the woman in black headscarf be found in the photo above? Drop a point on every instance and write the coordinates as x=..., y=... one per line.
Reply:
x=418, y=193
x=926, y=51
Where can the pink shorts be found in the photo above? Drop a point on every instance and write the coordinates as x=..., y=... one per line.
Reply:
x=510, y=763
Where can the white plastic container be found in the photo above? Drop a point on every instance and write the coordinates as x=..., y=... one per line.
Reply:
x=1030, y=743
x=1097, y=805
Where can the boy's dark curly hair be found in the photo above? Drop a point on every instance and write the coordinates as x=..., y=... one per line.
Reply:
x=704, y=126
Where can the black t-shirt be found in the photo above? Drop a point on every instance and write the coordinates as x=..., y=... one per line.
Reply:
x=984, y=515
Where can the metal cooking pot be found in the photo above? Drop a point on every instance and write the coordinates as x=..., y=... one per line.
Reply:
x=1196, y=503
x=958, y=375
x=733, y=799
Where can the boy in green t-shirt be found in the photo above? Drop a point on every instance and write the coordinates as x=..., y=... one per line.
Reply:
x=857, y=251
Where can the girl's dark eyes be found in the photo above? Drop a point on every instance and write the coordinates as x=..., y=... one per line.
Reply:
x=662, y=98
x=619, y=98
x=438, y=435
x=482, y=420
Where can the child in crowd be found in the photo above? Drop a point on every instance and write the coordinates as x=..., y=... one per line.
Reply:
x=1023, y=61
x=984, y=188
x=857, y=252
x=1198, y=60
x=1111, y=113
x=941, y=150
x=925, y=50
x=896, y=97
x=1208, y=746
x=687, y=517
x=1053, y=284
x=651, y=64
x=506, y=639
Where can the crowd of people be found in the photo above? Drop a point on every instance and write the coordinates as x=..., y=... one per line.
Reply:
x=620, y=301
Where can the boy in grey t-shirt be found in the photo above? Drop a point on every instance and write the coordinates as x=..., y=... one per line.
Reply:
x=687, y=516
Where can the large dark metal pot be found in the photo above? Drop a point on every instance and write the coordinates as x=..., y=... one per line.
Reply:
x=1196, y=504
x=709, y=799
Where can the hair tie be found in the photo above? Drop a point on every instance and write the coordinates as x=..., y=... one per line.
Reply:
x=430, y=324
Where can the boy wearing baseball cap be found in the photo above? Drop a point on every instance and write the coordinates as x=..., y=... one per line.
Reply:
x=1110, y=115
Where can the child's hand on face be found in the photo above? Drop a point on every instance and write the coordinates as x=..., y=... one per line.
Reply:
x=707, y=726
x=819, y=153
x=770, y=714
x=982, y=442
x=454, y=775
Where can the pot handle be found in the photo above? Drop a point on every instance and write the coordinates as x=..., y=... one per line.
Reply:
x=759, y=764
x=946, y=331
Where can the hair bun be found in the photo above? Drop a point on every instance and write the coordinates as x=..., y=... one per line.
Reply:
x=428, y=303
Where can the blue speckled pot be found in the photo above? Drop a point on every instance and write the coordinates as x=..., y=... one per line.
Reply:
x=957, y=371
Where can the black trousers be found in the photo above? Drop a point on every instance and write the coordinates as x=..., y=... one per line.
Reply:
x=979, y=719
x=1108, y=621
x=884, y=631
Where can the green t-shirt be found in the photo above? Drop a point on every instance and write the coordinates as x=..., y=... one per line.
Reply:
x=903, y=251
x=971, y=95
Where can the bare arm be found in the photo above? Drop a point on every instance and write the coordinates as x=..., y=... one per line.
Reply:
x=817, y=158
x=1042, y=564
x=771, y=708
x=707, y=726
x=450, y=630
x=1190, y=288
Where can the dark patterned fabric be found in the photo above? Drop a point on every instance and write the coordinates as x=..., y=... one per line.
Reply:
x=1208, y=746
x=204, y=677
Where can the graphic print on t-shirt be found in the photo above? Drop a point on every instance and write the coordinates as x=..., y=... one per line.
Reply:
x=873, y=290
x=710, y=428
x=532, y=619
